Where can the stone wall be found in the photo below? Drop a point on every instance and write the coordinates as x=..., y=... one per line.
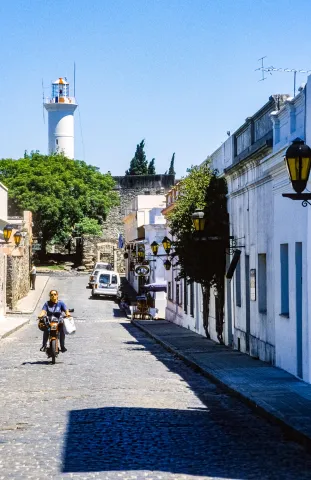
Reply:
x=128, y=188
x=2, y=284
x=18, y=266
x=98, y=249
x=105, y=248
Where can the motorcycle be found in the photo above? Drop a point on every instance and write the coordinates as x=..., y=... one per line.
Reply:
x=52, y=324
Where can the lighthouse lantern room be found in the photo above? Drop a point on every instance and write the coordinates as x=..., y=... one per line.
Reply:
x=60, y=108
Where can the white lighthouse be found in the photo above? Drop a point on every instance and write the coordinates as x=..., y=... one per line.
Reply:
x=60, y=109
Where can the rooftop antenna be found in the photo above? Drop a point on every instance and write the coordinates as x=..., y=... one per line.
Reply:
x=282, y=70
x=262, y=68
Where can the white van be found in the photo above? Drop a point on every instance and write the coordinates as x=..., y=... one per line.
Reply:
x=106, y=283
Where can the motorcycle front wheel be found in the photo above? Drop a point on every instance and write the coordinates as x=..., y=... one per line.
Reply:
x=53, y=351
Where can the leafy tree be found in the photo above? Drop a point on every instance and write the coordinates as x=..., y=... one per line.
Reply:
x=88, y=226
x=202, y=261
x=139, y=163
x=59, y=191
x=171, y=170
x=151, y=167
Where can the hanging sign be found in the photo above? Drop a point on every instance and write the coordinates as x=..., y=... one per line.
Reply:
x=142, y=270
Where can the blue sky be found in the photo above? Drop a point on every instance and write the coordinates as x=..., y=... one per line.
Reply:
x=178, y=73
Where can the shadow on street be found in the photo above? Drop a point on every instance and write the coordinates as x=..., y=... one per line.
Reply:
x=224, y=440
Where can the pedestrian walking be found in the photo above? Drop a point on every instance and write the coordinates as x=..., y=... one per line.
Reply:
x=33, y=274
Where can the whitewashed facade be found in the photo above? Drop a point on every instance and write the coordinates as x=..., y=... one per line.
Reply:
x=144, y=224
x=3, y=207
x=267, y=305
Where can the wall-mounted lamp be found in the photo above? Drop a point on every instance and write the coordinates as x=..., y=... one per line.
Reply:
x=298, y=163
x=17, y=238
x=167, y=265
x=7, y=232
x=167, y=245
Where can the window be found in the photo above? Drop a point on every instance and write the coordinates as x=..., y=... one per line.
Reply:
x=185, y=296
x=192, y=299
x=169, y=290
x=114, y=280
x=147, y=192
x=104, y=278
x=238, y=295
x=284, y=279
x=262, y=283
x=178, y=294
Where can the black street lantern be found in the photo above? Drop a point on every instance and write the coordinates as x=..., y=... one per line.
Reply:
x=166, y=245
x=167, y=265
x=298, y=162
x=17, y=238
x=7, y=232
x=154, y=247
x=198, y=220
x=141, y=254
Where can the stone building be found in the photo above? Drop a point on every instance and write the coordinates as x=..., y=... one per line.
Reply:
x=14, y=260
x=3, y=222
x=128, y=187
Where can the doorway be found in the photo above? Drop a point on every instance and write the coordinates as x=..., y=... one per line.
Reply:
x=247, y=303
x=298, y=263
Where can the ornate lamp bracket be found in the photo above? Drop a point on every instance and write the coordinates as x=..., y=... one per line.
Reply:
x=233, y=244
x=304, y=197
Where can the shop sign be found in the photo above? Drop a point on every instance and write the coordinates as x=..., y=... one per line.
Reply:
x=142, y=270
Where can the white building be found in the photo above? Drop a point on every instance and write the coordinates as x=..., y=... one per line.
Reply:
x=3, y=208
x=267, y=305
x=144, y=224
x=60, y=108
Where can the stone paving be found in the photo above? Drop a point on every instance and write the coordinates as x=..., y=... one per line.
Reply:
x=119, y=406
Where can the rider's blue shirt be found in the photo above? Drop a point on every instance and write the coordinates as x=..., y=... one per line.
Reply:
x=54, y=308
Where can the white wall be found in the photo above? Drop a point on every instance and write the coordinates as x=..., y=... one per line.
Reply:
x=61, y=128
x=156, y=232
x=3, y=203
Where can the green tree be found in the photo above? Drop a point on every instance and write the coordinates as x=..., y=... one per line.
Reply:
x=60, y=192
x=139, y=163
x=151, y=167
x=202, y=261
x=171, y=170
x=88, y=226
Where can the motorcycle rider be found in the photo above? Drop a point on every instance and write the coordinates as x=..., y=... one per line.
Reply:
x=54, y=307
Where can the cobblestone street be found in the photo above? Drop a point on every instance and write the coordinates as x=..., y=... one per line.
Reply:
x=118, y=406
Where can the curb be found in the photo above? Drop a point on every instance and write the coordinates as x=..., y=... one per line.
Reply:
x=6, y=334
x=290, y=430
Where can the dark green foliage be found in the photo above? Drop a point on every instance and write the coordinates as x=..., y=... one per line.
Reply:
x=60, y=192
x=171, y=170
x=202, y=261
x=151, y=167
x=139, y=163
x=88, y=226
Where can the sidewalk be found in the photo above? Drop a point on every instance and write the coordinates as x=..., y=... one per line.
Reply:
x=28, y=304
x=270, y=391
x=20, y=316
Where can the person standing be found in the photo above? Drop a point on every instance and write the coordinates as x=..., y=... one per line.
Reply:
x=33, y=274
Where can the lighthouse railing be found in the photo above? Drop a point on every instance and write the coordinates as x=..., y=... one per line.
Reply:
x=60, y=100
